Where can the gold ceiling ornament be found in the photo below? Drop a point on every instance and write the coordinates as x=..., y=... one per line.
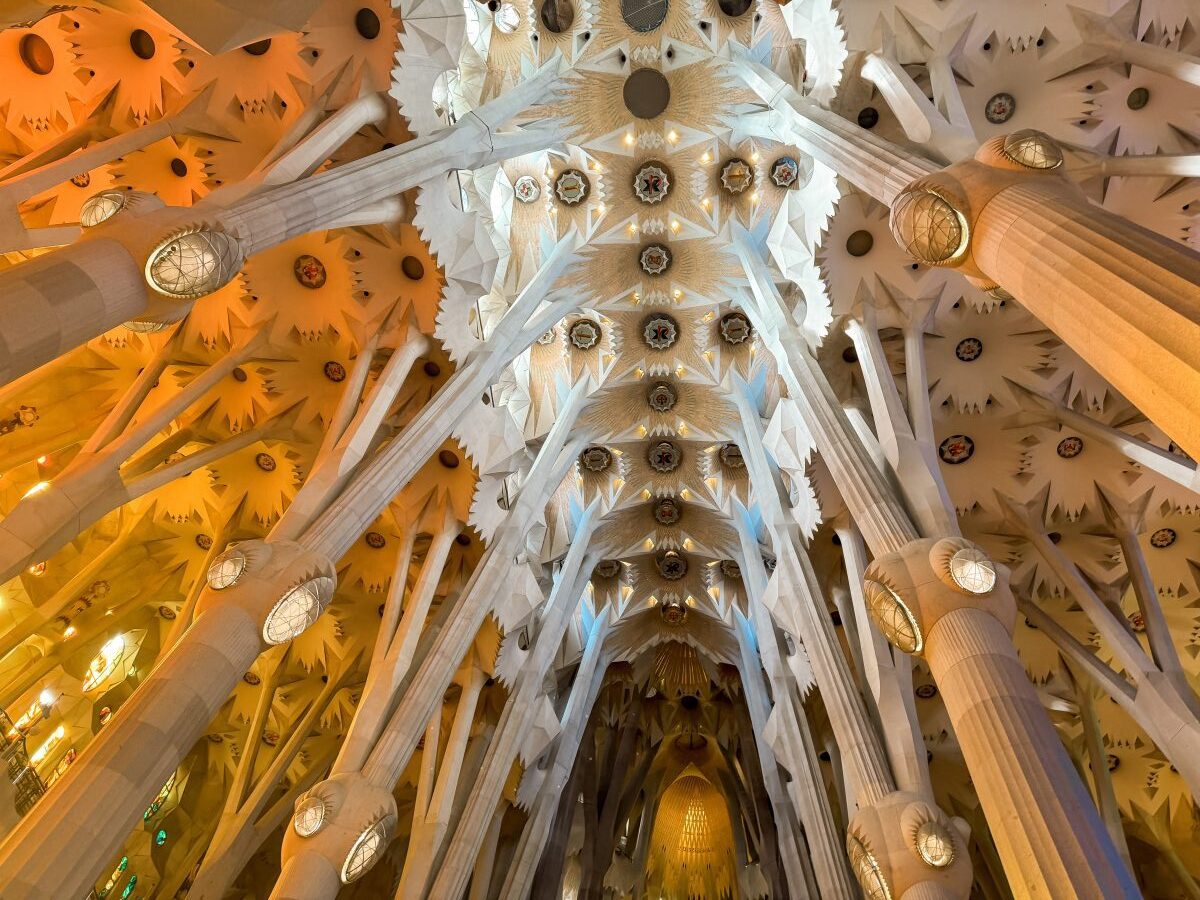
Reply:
x=1033, y=150
x=692, y=846
x=652, y=182
x=101, y=207
x=194, y=263
x=934, y=844
x=737, y=176
x=673, y=611
x=893, y=617
x=571, y=187
x=928, y=227
x=367, y=848
x=866, y=869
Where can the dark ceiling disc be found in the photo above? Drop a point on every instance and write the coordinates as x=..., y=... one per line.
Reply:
x=647, y=93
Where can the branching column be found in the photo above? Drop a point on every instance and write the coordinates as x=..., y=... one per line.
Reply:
x=131, y=264
x=1049, y=834
x=57, y=850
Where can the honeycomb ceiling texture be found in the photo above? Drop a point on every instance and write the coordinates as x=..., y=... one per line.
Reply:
x=587, y=498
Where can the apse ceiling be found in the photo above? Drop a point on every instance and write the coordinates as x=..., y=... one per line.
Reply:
x=663, y=168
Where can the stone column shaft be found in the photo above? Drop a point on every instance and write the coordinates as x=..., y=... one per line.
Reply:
x=586, y=687
x=1045, y=826
x=58, y=849
x=1123, y=298
x=518, y=715
x=58, y=301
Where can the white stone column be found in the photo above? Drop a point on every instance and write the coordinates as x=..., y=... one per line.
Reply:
x=519, y=713
x=588, y=679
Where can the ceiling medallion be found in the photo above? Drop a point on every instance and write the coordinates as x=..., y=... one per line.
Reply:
x=969, y=349
x=1138, y=98
x=667, y=511
x=607, y=568
x=655, y=259
x=926, y=691
x=661, y=397
x=769, y=563
x=957, y=448
x=1033, y=150
x=546, y=338
x=1137, y=622
x=785, y=172
x=1000, y=108
x=375, y=540
x=730, y=569
x=265, y=461
x=731, y=456
x=736, y=176
x=652, y=183
x=643, y=15
x=672, y=566
x=571, y=186
x=309, y=271
x=660, y=332
x=584, y=334
x=673, y=611
x=735, y=328
x=664, y=457
x=1163, y=538
x=204, y=542
x=335, y=371
x=82, y=180
x=1070, y=447
x=526, y=189
x=596, y=459
x=646, y=93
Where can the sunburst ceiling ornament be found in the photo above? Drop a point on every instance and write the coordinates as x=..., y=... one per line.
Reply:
x=661, y=397
x=737, y=176
x=655, y=259
x=571, y=187
x=526, y=189
x=596, y=459
x=660, y=332
x=667, y=511
x=735, y=328
x=652, y=183
x=664, y=457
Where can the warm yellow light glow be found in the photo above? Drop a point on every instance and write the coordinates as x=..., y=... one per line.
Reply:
x=687, y=544
x=754, y=157
x=706, y=202
x=646, y=494
x=69, y=632
x=105, y=663
x=707, y=157
x=628, y=139
x=37, y=489
x=691, y=601
x=672, y=136
x=674, y=224
x=685, y=494
x=51, y=742
x=680, y=371
x=678, y=293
